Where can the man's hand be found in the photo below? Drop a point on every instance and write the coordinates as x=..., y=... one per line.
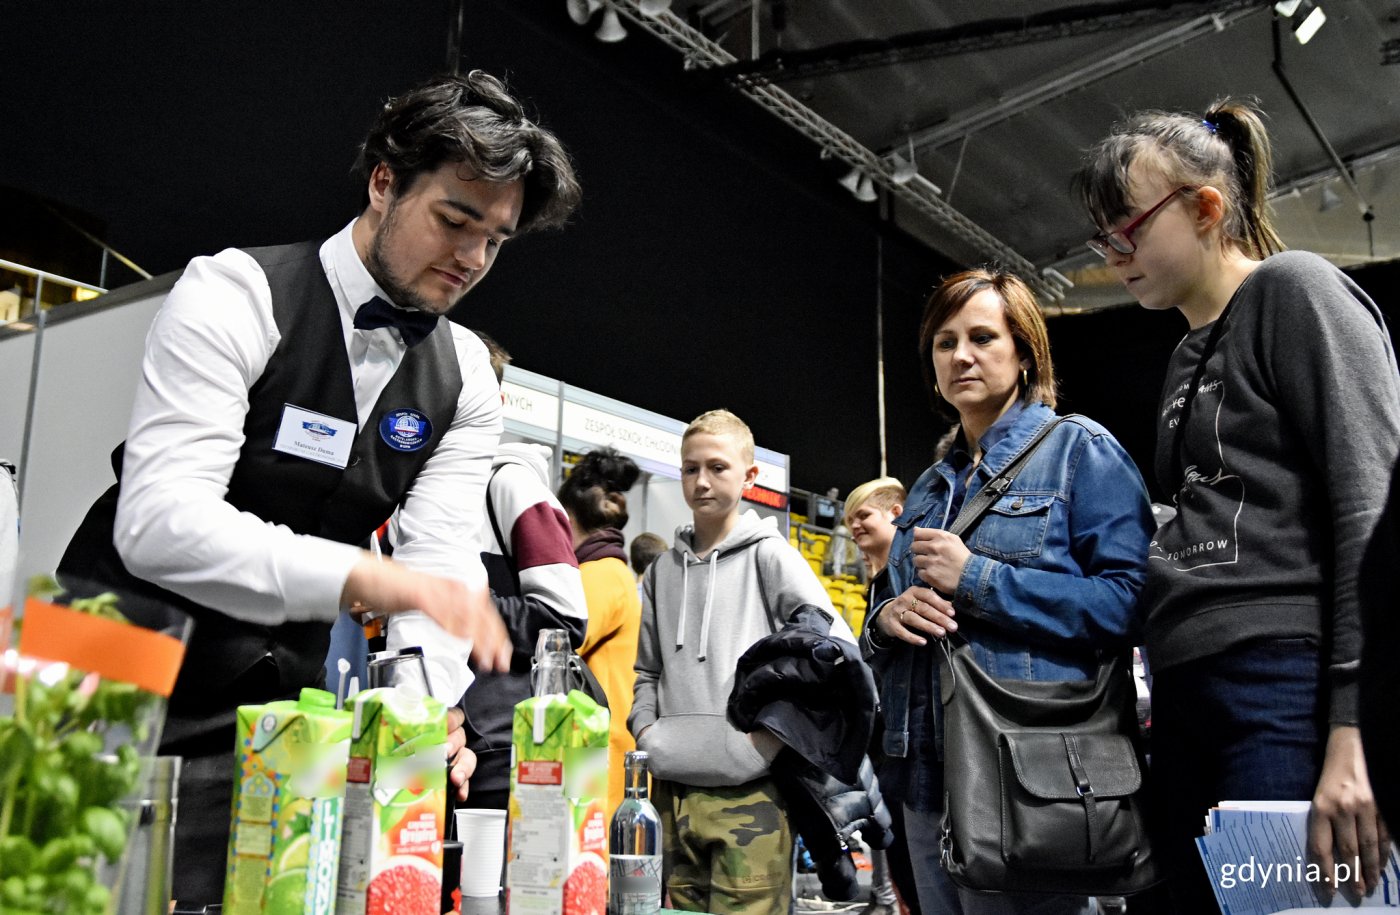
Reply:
x=1344, y=818
x=467, y=613
x=463, y=760
x=915, y=614
x=939, y=558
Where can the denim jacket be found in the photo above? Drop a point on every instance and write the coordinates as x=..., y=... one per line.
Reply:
x=1057, y=563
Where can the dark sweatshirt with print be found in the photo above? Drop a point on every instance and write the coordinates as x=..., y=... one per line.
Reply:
x=1279, y=475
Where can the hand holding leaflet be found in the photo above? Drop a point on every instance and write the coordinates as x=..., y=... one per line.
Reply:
x=1256, y=855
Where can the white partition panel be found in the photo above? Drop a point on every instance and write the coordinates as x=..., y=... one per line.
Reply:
x=88, y=368
x=16, y=363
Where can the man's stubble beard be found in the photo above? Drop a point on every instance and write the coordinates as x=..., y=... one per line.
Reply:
x=400, y=293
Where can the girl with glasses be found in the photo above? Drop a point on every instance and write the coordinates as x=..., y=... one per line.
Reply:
x=1276, y=435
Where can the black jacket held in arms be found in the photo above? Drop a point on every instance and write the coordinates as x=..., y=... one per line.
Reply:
x=818, y=697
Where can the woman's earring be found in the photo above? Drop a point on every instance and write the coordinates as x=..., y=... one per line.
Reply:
x=1025, y=380
x=936, y=392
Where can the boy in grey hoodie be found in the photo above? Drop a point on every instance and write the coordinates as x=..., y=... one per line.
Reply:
x=730, y=580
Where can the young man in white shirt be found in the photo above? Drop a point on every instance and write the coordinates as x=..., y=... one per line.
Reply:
x=291, y=399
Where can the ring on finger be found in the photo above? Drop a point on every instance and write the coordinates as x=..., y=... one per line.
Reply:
x=902, y=611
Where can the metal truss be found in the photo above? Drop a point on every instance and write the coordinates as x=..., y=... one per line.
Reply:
x=1015, y=101
x=699, y=52
x=984, y=35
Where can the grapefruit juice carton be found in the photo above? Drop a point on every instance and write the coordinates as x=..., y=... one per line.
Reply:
x=284, y=846
x=558, y=791
x=395, y=805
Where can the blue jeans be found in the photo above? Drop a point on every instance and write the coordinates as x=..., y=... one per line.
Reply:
x=938, y=895
x=1247, y=723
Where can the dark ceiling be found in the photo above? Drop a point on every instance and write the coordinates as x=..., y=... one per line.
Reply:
x=999, y=99
x=716, y=261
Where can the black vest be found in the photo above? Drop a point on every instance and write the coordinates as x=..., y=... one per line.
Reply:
x=230, y=662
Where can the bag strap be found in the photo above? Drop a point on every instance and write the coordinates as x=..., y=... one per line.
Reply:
x=996, y=487
x=975, y=508
x=491, y=513
x=496, y=529
x=1197, y=376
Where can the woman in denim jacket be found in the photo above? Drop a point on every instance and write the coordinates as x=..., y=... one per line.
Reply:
x=1048, y=578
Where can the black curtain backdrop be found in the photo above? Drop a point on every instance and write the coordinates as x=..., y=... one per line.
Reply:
x=714, y=262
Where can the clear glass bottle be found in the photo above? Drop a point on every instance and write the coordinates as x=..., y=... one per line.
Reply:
x=551, y=674
x=634, y=846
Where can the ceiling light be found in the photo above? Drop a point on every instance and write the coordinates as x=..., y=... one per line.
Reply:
x=905, y=169
x=611, y=30
x=1307, y=17
x=1307, y=28
x=580, y=11
x=653, y=8
x=852, y=180
x=865, y=189
x=1330, y=200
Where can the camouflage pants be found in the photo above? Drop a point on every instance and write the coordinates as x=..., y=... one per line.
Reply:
x=727, y=850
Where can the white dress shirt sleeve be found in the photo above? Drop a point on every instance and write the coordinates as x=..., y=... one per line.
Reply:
x=438, y=526
x=210, y=342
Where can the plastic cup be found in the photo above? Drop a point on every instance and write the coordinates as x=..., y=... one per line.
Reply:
x=483, y=837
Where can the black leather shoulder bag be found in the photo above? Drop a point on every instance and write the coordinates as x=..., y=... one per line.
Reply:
x=1043, y=780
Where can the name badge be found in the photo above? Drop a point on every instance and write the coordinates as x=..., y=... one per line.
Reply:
x=405, y=430
x=315, y=436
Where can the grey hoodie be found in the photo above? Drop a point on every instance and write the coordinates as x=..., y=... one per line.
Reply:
x=698, y=617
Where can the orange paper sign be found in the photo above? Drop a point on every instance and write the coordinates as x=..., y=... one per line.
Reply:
x=118, y=651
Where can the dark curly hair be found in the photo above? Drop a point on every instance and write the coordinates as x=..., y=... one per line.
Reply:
x=593, y=493
x=473, y=120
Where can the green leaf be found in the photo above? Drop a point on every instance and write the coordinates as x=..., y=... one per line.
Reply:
x=17, y=747
x=56, y=856
x=106, y=830
x=44, y=587
x=18, y=856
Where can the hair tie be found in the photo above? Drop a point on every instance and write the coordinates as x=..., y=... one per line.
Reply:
x=1210, y=125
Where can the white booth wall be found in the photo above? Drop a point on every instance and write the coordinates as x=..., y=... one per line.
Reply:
x=537, y=407
x=89, y=363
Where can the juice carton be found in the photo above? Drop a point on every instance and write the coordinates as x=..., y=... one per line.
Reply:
x=284, y=846
x=558, y=792
x=395, y=805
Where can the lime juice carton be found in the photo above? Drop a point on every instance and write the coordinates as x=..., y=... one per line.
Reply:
x=284, y=846
x=558, y=791
x=395, y=805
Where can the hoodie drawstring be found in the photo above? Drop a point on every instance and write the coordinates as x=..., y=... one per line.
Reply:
x=709, y=602
x=685, y=578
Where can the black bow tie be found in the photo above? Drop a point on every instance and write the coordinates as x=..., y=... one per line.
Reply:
x=413, y=326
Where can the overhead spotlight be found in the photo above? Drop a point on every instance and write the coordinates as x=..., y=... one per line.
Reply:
x=865, y=189
x=1307, y=17
x=611, y=30
x=905, y=169
x=1330, y=200
x=1312, y=21
x=653, y=7
x=852, y=180
x=580, y=11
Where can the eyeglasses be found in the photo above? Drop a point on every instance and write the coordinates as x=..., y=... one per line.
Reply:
x=1122, y=240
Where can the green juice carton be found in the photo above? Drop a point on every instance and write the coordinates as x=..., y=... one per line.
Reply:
x=395, y=805
x=284, y=847
x=558, y=794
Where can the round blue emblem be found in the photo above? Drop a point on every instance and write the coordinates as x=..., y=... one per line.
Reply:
x=405, y=430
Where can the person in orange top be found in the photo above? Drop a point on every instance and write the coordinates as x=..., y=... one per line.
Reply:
x=594, y=497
